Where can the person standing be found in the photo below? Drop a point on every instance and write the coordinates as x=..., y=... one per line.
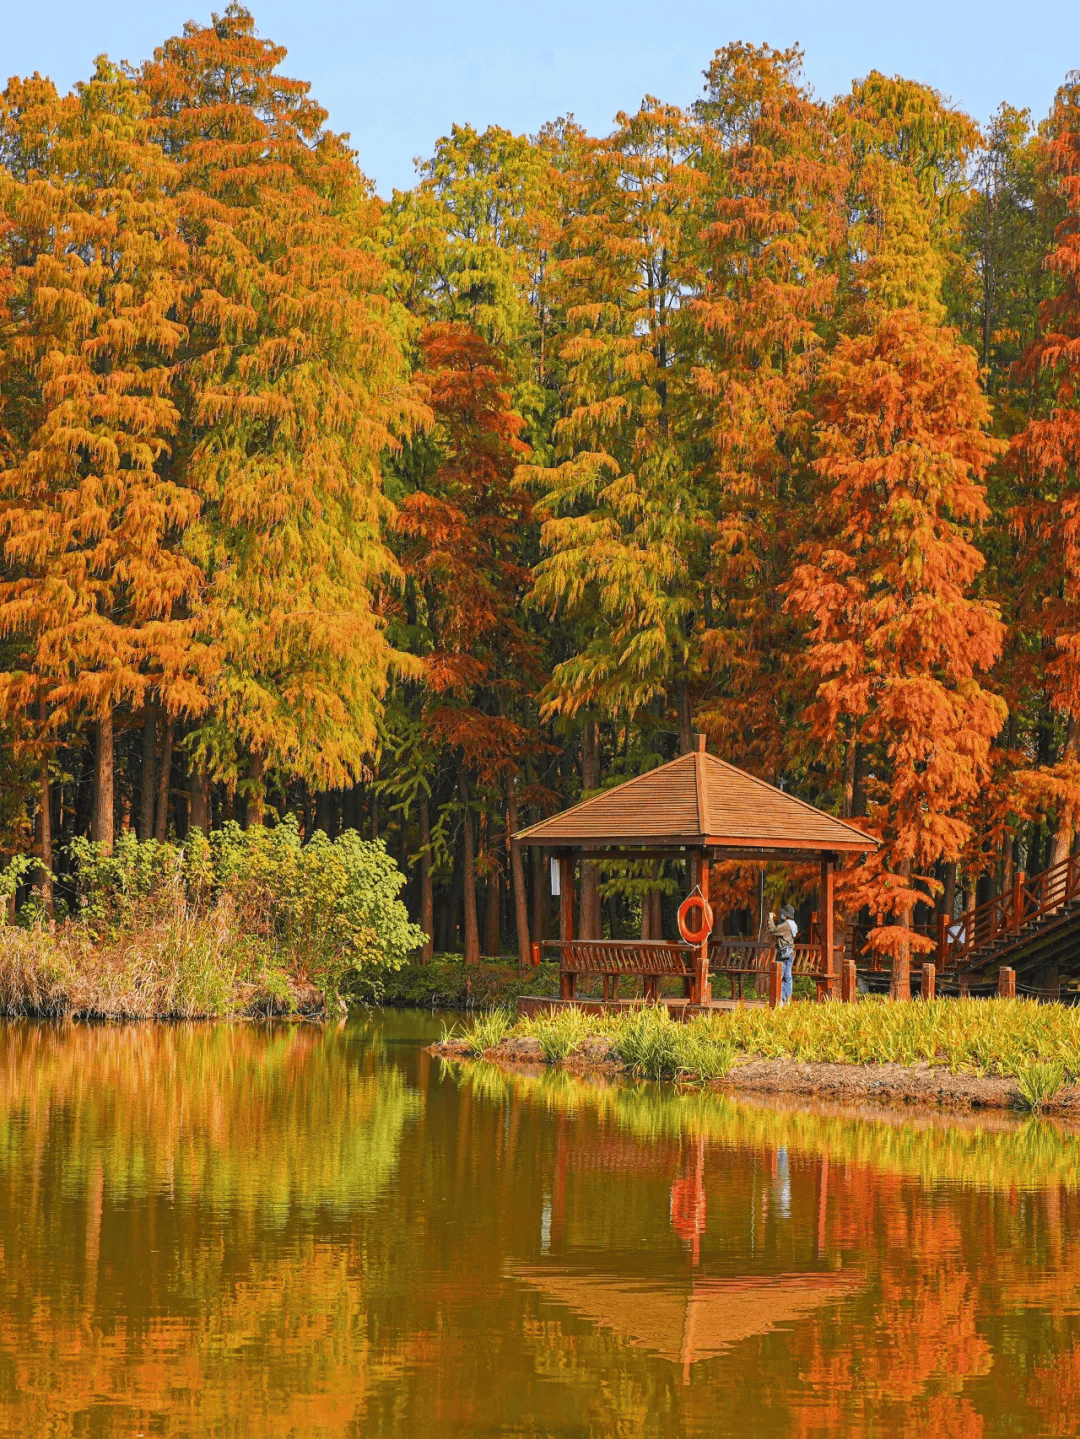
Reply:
x=784, y=933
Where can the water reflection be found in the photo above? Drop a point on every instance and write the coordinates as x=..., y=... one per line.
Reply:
x=293, y=1231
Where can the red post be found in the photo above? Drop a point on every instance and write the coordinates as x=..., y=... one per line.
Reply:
x=1006, y=982
x=535, y=953
x=776, y=980
x=828, y=919
x=929, y=981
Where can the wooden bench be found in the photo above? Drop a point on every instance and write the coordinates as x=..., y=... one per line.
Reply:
x=738, y=958
x=653, y=960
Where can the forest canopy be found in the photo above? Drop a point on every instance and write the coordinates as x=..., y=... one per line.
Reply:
x=426, y=515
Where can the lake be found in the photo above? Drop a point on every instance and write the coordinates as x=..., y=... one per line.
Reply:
x=287, y=1230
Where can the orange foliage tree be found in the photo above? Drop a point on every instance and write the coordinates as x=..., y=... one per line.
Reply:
x=462, y=529
x=899, y=646
x=1046, y=454
x=97, y=582
x=292, y=387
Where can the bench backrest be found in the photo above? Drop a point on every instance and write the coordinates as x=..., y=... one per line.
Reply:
x=612, y=956
x=751, y=955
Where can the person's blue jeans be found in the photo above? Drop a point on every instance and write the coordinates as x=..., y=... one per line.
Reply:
x=785, y=987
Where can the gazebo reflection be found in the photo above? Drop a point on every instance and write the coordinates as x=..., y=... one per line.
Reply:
x=690, y=1317
x=687, y=1320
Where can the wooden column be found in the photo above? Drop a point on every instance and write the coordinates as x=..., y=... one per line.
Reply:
x=928, y=987
x=827, y=910
x=704, y=989
x=776, y=984
x=566, y=896
x=1006, y=982
x=849, y=984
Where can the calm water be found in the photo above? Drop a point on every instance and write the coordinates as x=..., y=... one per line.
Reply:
x=241, y=1231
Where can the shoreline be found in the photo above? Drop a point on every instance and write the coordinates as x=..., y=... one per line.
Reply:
x=919, y=1086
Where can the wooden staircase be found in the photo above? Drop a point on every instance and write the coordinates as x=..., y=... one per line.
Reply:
x=1030, y=929
x=1036, y=924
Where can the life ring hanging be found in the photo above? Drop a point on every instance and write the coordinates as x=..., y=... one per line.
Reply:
x=695, y=901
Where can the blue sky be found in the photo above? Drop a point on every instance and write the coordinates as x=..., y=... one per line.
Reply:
x=397, y=75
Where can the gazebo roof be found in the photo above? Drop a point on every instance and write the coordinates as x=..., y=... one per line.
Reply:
x=698, y=802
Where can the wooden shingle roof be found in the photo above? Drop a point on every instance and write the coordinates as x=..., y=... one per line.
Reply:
x=700, y=802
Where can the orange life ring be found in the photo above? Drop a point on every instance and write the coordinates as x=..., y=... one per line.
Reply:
x=695, y=901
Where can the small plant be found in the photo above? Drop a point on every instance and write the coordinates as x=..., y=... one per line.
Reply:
x=487, y=1031
x=1038, y=1083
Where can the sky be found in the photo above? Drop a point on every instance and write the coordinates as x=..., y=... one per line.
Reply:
x=397, y=74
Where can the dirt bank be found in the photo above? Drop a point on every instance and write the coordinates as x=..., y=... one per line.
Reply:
x=922, y=1084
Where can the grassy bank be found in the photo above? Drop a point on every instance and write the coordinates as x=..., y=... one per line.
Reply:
x=1037, y=1046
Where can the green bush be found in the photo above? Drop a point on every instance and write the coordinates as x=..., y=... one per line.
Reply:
x=327, y=909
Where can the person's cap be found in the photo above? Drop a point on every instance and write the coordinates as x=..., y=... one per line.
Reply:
x=788, y=912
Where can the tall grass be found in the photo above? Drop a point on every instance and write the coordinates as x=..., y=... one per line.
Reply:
x=1039, y=1083
x=177, y=963
x=997, y=1037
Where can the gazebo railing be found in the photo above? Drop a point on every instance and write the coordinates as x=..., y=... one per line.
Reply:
x=654, y=959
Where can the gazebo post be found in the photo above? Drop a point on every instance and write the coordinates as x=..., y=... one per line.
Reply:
x=566, y=895
x=828, y=919
x=704, y=989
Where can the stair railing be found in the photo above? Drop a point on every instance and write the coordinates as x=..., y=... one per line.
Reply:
x=1027, y=901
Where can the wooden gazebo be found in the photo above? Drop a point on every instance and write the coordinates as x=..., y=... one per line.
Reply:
x=704, y=810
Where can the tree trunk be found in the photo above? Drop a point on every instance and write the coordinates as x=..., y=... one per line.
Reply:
x=1062, y=841
x=427, y=898
x=590, y=869
x=472, y=932
x=164, y=782
x=540, y=896
x=517, y=875
x=44, y=835
x=900, y=983
x=492, y=938
x=949, y=897
x=102, y=821
x=850, y=757
x=256, y=805
x=686, y=733
x=149, y=756
x=198, y=798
